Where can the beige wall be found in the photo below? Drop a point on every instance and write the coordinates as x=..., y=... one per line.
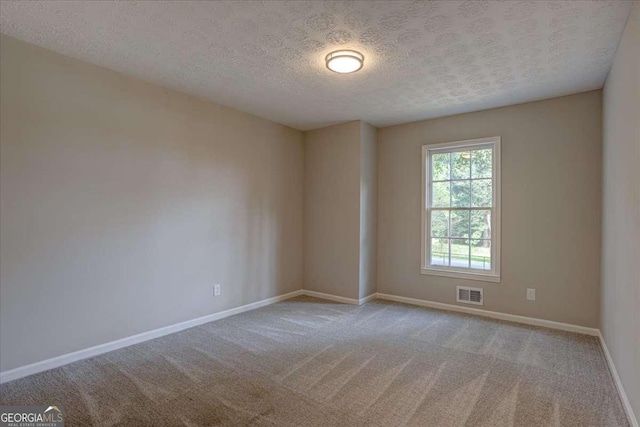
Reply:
x=368, y=208
x=122, y=203
x=620, y=321
x=551, y=201
x=332, y=210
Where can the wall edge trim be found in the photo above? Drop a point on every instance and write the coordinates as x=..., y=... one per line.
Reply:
x=330, y=297
x=493, y=314
x=626, y=403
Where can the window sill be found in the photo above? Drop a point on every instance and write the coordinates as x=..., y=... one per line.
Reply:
x=484, y=277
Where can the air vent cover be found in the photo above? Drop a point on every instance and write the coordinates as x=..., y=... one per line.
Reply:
x=469, y=295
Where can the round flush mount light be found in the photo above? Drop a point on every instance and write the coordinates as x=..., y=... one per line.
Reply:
x=344, y=61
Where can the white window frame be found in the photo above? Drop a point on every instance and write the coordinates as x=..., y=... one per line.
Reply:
x=492, y=275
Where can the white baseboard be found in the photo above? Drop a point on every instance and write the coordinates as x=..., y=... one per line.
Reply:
x=367, y=299
x=65, y=359
x=493, y=314
x=633, y=421
x=330, y=297
x=337, y=298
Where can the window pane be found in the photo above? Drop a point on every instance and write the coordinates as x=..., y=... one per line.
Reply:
x=459, y=223
x=439, y=223
x=440, y=166
x=441, y=195
x=461, y=165
x=439, y=252
x=481, y=163
x=460, y=194
x=459, y=253
x=481, y=254
x=481, y=194
x=481, y=224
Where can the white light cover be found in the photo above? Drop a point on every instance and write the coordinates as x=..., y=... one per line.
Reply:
x=344, y=61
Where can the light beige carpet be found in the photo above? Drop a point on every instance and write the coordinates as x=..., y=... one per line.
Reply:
x=307, y=362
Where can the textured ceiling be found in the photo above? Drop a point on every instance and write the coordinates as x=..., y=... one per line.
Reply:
x=423, y=58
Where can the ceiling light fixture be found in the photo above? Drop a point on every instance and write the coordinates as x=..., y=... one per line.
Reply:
x=344, y=61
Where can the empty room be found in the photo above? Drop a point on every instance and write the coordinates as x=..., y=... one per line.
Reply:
x=320, y=213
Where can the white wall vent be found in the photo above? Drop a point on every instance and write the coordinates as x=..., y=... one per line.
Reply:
x=469, y=295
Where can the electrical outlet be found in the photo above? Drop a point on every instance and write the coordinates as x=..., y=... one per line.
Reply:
x=531, y=294
x=216, y=290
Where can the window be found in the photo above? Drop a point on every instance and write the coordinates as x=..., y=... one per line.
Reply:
x=461, y=209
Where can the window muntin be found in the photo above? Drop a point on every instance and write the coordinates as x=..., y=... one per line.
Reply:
x=461, y=209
